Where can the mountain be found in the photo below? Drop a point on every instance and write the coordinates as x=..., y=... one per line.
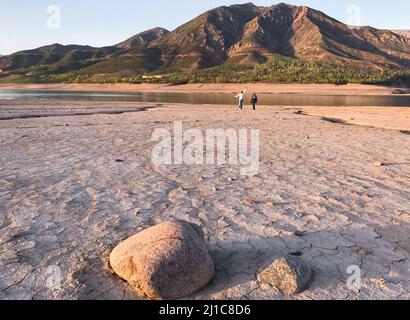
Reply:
x=248, y=34
x=206, y=40
x=228, y=36
x=405, y=33
x=56, y=57
x=143, y=39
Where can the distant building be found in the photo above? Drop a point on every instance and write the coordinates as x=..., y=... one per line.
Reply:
x=151, y=77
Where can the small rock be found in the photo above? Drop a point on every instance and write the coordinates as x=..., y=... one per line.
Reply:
x=298, y=233
x=167, y=261
x=363, y=252
x=249, y=202
x=288, y=274
x=223, y=224
x=378, y=164
x=313, y=218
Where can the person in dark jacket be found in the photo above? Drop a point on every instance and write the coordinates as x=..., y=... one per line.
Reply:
x=254, y=101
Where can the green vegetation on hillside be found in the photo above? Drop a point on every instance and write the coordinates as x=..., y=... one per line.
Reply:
x=288, y=70
x=277, y=69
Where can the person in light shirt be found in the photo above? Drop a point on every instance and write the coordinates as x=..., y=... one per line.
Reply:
x=241, y=97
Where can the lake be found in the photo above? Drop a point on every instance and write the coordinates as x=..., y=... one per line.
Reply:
x=210, y=98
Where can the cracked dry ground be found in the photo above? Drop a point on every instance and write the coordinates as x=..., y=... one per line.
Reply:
x=65, y=201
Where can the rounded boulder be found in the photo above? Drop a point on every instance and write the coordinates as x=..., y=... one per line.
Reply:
x=167, y=261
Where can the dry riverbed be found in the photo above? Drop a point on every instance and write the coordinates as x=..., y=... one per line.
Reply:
x=77, y=178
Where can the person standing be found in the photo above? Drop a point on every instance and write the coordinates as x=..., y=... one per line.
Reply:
x=254, y=101
x=241, y=97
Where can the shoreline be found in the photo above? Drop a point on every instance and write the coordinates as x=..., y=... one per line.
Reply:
x=259, y=88
x=387, y=117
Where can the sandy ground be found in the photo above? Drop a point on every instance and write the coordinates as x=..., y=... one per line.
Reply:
x=394, y=118
x=65, y=201
x=259, y=88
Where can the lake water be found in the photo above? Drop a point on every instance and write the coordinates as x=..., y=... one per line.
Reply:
x=210, y=98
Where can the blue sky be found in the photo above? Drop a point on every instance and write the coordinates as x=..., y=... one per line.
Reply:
x=23, y=23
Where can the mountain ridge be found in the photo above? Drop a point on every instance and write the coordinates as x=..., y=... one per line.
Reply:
x=235, y=35
x=402, y=32
x=143, y=38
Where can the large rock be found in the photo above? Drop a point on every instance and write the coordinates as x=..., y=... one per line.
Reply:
x=167, y=261
x=288, y=274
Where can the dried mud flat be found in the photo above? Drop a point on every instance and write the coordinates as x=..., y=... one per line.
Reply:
x=77, y=179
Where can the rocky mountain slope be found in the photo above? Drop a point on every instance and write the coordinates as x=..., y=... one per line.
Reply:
x=403, y=32
x=238, y=35
x=143, y=39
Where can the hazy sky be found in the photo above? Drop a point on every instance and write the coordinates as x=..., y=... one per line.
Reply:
x=25, y=24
